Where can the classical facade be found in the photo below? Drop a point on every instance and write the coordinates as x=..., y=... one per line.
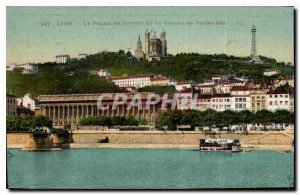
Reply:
x=71, y=108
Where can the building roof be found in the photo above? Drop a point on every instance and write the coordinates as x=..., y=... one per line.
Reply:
x=189, y=90
x=62, y=56
x=31, y=97
x=207, y=86
x=183, y=83
x=130, y=77
x=277, y=92
x=219, y=95
x=10, y=95
x=240, y=88
x=204, y=96
x=159, y=79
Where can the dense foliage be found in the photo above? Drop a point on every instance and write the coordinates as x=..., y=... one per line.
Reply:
x=109, y=121
x=227, y=118
x=27, y=123
x=74, y=77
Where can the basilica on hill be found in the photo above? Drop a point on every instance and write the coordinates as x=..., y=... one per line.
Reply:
x=155, y=47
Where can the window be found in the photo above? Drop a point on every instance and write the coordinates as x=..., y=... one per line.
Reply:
x=275, y=96
x=281, y=96
x=281, y=102
x=286, y=96
x=270, y=96
x=263, y=97
x=286, y=102
x=236, y=99
x=244, y=99
x=253, y=105
x=271, y=103
x=276, y=102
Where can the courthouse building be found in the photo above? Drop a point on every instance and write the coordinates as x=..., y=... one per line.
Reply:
x=71, y=108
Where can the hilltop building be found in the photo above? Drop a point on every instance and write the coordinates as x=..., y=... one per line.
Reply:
x=155, y=47
x=82, y=56
x=139, y=54
x=270, y=72
x=27, y=68
x=137, y=81
x=62, y=59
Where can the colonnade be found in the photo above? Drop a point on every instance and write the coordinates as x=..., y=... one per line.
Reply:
x=70, y=113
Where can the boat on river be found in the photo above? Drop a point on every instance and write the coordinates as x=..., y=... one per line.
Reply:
x=232, y=145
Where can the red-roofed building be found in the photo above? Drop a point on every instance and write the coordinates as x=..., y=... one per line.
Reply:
x=137, y=81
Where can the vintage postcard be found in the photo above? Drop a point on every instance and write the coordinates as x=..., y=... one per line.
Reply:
x=150, y=98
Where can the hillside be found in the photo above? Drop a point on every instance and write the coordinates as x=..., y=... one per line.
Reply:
x=74, y=77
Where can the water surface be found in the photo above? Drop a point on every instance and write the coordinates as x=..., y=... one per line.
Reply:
x=148, y=169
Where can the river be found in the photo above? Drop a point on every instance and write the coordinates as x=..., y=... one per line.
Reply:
x=148, y=169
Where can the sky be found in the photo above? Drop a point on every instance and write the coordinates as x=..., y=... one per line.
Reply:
x=38, y=34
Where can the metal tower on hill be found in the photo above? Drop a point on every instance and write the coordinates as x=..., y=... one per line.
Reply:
x=253, y=46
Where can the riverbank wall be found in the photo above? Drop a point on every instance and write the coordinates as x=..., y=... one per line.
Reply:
x=90, y=138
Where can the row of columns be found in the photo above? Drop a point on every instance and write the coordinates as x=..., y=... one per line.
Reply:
x=72, y=114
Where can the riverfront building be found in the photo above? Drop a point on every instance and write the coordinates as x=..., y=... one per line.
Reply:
x=258, y=100
x=277, y=100
x=240, y=98
x=71, y=108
